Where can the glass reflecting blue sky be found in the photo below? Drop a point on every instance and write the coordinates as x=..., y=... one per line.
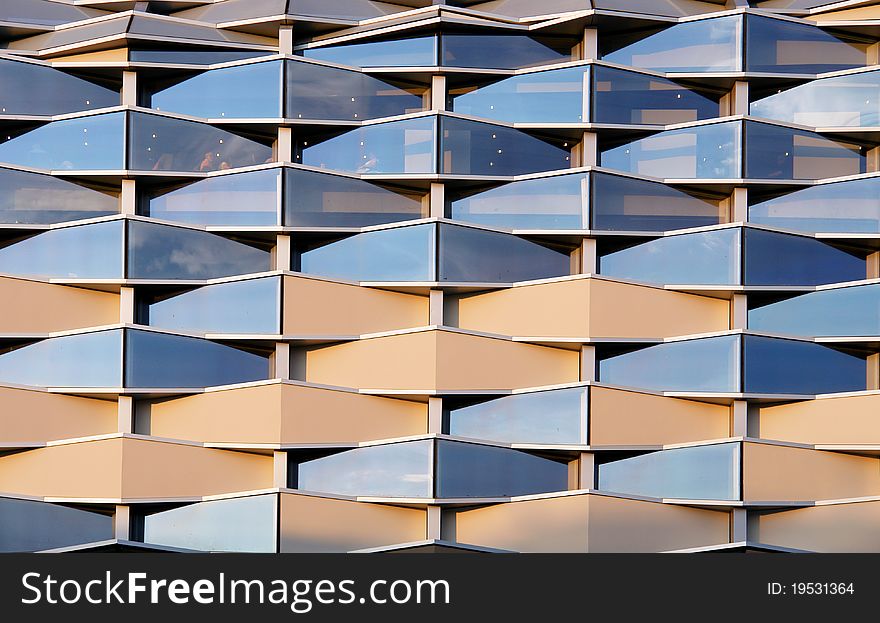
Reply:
x=837, y=312
x=414, y=52
x=775, y=366
x=82, y=360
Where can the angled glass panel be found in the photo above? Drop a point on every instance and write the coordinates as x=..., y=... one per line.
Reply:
x=486, y=256
x=249, y=306
x=702, y=45
x=701, y=365
x=773, y=152
x=839, y=312
x=162, y=360
x=166, y=252
x=473, y=148
x=503, y=51
x=393, y=147
x=694, y=473
x=773, y=259
x=399, y=254
x=774, y=366
x=82, y=360
x=242, y=199
x=392, y=470
x=83, y=252
x=320, y=92
x=323, y=200
x=30, y=526
x=780, y=46
x=629, y=97
x=557, y=416
x=466, y=470
x=48, y=91
x=247, y=91
x=706, y=258
x=43, y=12
x=627, y=204
x=546, y=203
x=849, y=207
x=84, y=143
x=194, y=56
x=852, y=100
x=34, y=198
x=707, y=152
x=233, y=525
x=413, y=52
x=554, y=96
x=162, y=144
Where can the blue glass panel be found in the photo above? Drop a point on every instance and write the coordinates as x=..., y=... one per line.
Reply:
x=505, y=51
x=162, y=360
x=782, y=259
x=473, y=148
x=851, y=206
x=237, y=307
x=30, y=526
x=470, y=470
x=694, y=473
x=193, y=56
x=546, y=203
x=84, y=252
x=701, y=365
x=551, y=417
x=48, y=91
x=245, y=91
x=393, y=147
x=707, y=152
x=399, y=254
x=392, y=470
x=774, y=366
x=555, y=96
x=241, y=199
x=773, y=152
x=167, y=252
x=484, y=256
x=838, y=312
x=84, y=144
x=702, y=45
x=34, y=198
x=233, y=525
x=414, y=52
x=705, y=258
x=82, y=360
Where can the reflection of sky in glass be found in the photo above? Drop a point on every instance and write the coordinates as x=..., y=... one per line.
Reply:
x=699, y=473
x=773, y=152
x=783, y=259
x=505, y=51
x=238, y=307
x=841, y=312
x=30, y=526
x=233, y=525
x=551, y=417
x=702, y=365
x=85, y=252
x=393, y=470
x=774, y=366
x=710, y=258
x=33, y=198
x=49, y=91
x=415, y=52
x=399, y=254
x=84, y=360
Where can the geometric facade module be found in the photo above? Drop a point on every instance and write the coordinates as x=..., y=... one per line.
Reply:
x=354, y=276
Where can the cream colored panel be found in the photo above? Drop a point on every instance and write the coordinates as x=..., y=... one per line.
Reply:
x=314, y=524
x=37, y=307
x=28, y=415
x=848, y=420
x=833, y=528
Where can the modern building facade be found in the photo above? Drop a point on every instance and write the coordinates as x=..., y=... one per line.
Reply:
x=501, y=276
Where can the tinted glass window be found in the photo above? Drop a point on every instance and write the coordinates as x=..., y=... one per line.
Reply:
x=773, y=152
x=838, y=312
x=415, y=52
x=550, y=417
x=193, y=57
x=48, y=92
x=781, y=259
x=165, y=252
x=30, y=526
x=162, y=360
x=702, y=365
x=503, y=51
x=34, y=198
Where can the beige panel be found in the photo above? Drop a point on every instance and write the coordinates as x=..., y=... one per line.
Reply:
x=29, y=415
x=286, y=414
x=862, y=13
x=833, y=528
x=628, y=418
x=780, y=473
x=591, y=523
x=847, y=420
x=104, y=56
x=37, y=307
x=440, y=360
x=592, y=307
x=315, y=307
x=313, y=524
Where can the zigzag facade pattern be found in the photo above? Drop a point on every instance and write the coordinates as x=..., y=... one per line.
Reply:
x=351, y=276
